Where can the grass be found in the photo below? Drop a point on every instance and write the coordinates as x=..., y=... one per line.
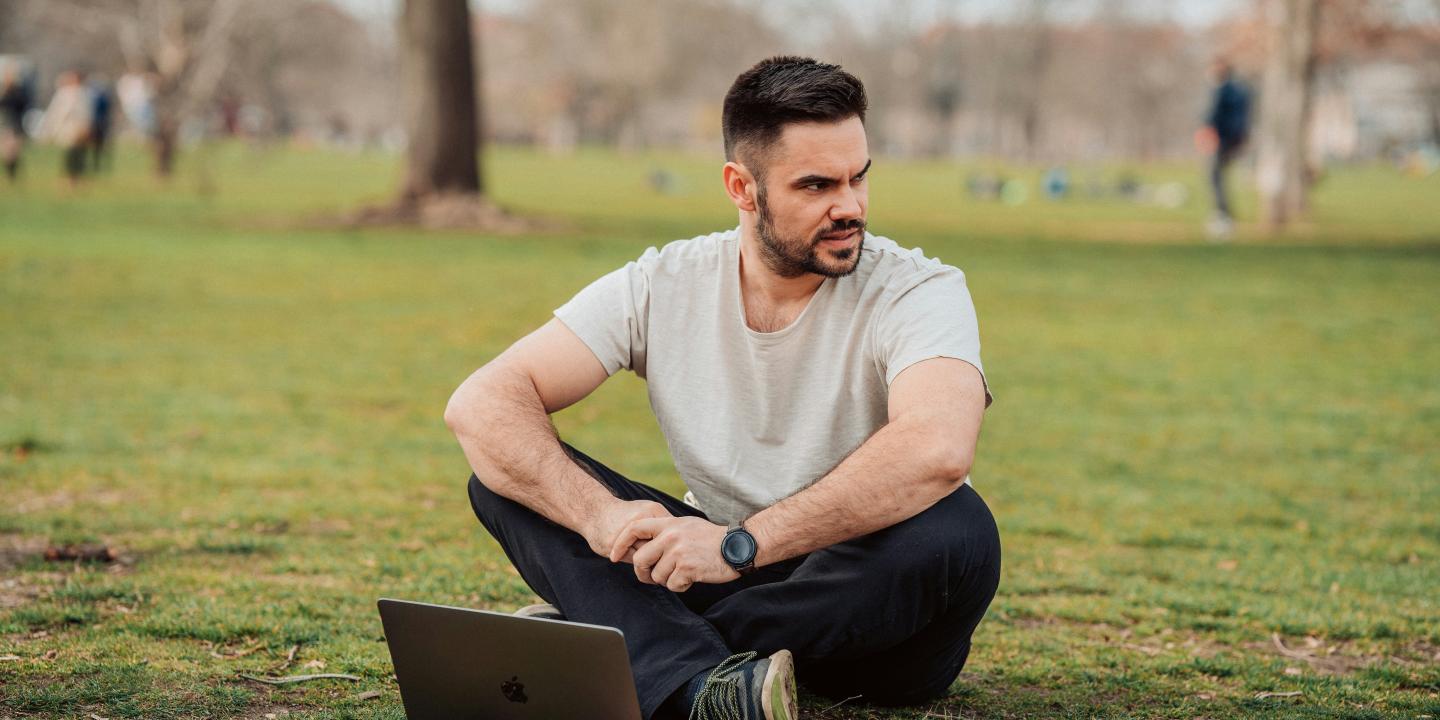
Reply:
x=1194, y=447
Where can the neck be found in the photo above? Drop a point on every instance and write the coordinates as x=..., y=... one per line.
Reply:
x=757, y=280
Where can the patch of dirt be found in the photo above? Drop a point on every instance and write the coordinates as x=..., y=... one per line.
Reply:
x=63, y=499
x=447, y=211
x=15, y=550
x=15, y=589
x=1418, y=652
x=1324, y=657
x=18, y=589
x=1167, y=640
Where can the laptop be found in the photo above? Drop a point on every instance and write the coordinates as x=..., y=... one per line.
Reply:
x=453, y=663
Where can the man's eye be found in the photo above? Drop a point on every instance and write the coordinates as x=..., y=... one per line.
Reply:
x=858, y=179
x=815, y=186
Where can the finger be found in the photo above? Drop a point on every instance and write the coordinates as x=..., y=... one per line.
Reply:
x=624, y=540
x=630, y=553
x=649, y=555
x=678, y=582
x=663, y=569
x=640, y=529
x=645, y=560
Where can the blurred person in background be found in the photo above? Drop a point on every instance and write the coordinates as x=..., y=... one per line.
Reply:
x=102, y=102
x=136, y=92
x=14, y=102
x=67, y=123
x=1227, y=127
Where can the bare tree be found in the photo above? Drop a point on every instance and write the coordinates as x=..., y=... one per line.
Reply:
x=438, y=76
x=184, y=45
x=1285, y=100
x=195, y=51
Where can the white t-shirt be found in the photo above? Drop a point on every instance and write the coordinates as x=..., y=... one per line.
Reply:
x=753, y=417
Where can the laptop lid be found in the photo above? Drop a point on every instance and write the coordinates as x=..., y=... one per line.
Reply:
x=454, y=663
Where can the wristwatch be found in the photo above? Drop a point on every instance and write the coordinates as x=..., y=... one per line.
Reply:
x=738, y=549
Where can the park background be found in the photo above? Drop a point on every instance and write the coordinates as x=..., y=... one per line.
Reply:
x=225, y=355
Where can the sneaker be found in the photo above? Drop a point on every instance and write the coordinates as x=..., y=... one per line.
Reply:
x=545, y=611
x=1220, y=228
x=743, y=688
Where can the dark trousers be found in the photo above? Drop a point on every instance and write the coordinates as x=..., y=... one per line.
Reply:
x=1224, y=154
x=887, y=616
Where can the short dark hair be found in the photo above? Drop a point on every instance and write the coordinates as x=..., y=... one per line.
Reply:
x=782, y=90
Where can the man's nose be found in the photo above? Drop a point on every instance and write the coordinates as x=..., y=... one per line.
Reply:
x=847, y=205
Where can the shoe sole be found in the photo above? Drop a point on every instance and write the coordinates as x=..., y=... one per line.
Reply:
x=778, y=691
x=543, y=611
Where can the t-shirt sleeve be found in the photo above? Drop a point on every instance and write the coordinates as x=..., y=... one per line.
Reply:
x=610, y=316
x=932, y=318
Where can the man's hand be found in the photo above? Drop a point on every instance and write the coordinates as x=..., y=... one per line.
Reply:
x=606, y=527
x=676, y=552
x=1206, y=140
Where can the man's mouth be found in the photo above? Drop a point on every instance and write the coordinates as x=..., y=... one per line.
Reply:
x=842, y=237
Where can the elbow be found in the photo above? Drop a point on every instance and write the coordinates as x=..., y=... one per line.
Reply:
x=462, y=411
x=952, y=465
x=455, y=413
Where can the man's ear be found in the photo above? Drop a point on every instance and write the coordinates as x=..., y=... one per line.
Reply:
x=740, y=185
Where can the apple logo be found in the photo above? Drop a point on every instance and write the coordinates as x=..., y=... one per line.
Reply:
x=513, y=690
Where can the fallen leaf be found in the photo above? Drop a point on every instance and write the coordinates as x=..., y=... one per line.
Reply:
x=1227, y=565
x=81, y=553
x=1292, y=671
x=1292, y=693
x=369, y=695
x=9, y=657
x=49, y=654
x=1205, y=696
x=316, y=664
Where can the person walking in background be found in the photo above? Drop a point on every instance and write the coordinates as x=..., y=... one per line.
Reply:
x=67, y=123
x=101, y=103
x=14, y=102
x=1227, y=127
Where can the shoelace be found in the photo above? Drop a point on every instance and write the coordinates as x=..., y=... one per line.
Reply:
x=720, y=697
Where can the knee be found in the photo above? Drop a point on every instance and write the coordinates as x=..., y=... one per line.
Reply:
x=955, y=537
x=485, y=502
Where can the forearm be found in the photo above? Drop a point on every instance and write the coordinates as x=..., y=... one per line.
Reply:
x=900, y=471
x=502, y=426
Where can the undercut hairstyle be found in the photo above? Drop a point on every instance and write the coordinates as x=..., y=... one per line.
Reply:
x=779, y=91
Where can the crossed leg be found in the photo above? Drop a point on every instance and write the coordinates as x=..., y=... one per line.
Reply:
x=888, y=616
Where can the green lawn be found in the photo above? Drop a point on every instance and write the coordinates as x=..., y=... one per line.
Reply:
x=1195, y=448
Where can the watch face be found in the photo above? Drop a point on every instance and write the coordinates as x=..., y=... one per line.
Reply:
x=738, y=548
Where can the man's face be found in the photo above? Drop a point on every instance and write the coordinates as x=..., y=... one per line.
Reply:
x=1219, y=70
x=811, y=204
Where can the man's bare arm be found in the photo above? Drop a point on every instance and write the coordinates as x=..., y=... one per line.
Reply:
x=919, y=457
x=501, y=416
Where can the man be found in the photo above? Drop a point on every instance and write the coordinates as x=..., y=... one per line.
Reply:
x=1227, y=127
x=67, y=123
x=821, y=393
x=14, y=103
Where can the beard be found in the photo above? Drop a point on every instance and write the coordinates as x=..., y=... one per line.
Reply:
x=791, y=257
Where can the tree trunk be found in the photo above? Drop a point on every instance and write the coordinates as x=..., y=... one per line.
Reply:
x=440, y=110
x=163, y=145
x=1285, y=109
